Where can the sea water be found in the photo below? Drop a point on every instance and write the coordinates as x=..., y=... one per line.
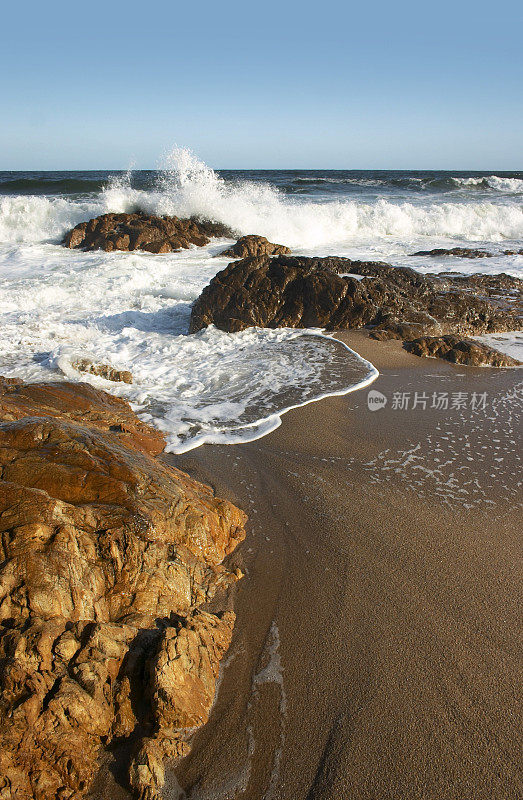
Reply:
x=132, y=310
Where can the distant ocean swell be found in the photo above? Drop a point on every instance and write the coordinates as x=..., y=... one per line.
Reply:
x=428, y=184
x=88, y=183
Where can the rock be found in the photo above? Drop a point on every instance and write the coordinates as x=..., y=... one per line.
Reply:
x=459, y=351
x=466, y=252
x=82, y=403
x=140, y=231
x=394, y=302
x=106, y=557
x=500, y=287
x=103, y=371
x=182, y=679
x=254, y=246
x=460, y=252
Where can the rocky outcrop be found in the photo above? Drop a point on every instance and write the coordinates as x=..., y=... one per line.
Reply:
x=78, y=403
x=393, y=302
x=466, y=252
x=459, y=252
x=107, y=559
x=501, y=287
x=103, y=371
x=460, y=351
x=140, y=231
x=254, y=246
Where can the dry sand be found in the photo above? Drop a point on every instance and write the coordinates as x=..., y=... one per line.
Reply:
x=377, y=650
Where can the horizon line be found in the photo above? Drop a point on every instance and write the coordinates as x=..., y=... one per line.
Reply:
x=271, y=169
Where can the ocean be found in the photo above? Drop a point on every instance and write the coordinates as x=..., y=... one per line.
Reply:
x=131, y=310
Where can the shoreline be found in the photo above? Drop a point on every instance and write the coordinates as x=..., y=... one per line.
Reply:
x=273, y=422
x=373, y=653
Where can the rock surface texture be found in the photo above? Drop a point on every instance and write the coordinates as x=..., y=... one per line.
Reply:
x=81, y=403
x=459, y=252
x=254, y=246
x=393, y=302
x=140, y=231
x=108, y=557
x=459, y=351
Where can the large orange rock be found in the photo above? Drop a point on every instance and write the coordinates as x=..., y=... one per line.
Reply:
x=78, y=402
x=106, y=557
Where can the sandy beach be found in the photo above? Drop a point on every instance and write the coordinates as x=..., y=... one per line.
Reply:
x=376, y=654
x=261, y=381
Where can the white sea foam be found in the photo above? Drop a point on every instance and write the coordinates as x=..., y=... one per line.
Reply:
x=509, y=343
x=27, y=218
x=131, y=310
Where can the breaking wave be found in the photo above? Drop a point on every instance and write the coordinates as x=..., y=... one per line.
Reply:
x=427, y=184
x=185, y=186
x=499, y=184
x=131, y=310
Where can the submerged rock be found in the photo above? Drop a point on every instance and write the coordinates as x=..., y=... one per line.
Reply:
x=394, y=302
x=466, y=252
x=140, y=231
x=103, y=371
x=107, y=556
x=254, y=246
x=460, y=351
x=459, y=252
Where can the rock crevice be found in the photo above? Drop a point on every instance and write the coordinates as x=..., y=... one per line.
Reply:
x=109, y=560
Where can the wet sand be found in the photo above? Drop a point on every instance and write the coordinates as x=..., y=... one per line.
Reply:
x=377, y=649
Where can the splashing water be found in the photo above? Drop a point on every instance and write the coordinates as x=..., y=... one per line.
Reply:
x=186, y=186
x=131, y=310
x=376, y=223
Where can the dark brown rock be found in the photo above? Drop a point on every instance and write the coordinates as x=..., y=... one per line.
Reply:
x=459, y=351
x=501, y=287
x=254, y=246
x=466, y=252
x=299, y=292
x=459, y=252
x=140, y=231
x=106, y=558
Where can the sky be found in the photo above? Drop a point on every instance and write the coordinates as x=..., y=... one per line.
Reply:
x=334, y=85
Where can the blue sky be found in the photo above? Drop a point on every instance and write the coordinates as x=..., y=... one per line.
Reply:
x=366, y=85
